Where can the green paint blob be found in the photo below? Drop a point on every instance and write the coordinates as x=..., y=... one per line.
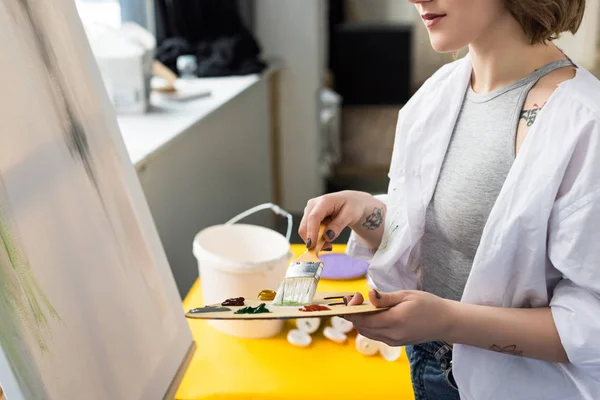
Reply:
x=261, y=309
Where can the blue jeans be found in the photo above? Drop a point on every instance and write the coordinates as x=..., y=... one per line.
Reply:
x=431, y=371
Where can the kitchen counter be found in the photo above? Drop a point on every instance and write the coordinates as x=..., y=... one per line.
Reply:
x=147, y=134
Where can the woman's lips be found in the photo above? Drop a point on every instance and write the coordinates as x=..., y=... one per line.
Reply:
x=432, y=20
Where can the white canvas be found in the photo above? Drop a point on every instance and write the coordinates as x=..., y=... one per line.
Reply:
x=88, y=305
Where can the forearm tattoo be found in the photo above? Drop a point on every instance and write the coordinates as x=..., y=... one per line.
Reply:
x=512, y=350
x=531, y=114
x=374, y=220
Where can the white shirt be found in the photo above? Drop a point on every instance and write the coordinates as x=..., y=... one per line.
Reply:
x=539, y=248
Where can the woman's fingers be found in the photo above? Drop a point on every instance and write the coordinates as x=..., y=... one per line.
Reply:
x=383, y=300
x=323, y=208
x=341, y=207
x=337, y=225
x=302, y=230
x=355, y=300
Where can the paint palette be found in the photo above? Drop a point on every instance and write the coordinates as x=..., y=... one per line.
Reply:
x=333, y=301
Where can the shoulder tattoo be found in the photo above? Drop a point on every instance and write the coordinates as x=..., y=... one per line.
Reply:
x=531, y=114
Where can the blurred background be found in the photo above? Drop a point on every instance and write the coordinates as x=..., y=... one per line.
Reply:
x=224, y=105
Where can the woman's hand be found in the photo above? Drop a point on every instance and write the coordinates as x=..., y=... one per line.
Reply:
x=418, y=317
x=414, y=317
x=360, y=211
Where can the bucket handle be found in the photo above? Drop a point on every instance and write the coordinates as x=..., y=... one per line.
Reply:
x=275, y=208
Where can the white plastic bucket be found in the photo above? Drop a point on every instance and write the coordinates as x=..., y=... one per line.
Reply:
x=237, y=260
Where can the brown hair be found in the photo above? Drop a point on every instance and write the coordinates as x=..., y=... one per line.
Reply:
x=545, y=20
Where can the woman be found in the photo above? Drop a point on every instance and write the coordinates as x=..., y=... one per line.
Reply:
x=487, y=245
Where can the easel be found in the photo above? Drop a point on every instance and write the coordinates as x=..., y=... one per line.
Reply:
x=75, y=154
x=172, y=392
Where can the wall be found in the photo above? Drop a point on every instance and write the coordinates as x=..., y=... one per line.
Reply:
x=381, y=11
x=597, y=68
x=425, y=60
x=293, y=31
x=140, y=12
x=246, y=8
x=582, y=47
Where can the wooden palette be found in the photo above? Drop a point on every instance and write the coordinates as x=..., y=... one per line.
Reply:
x=291, y=312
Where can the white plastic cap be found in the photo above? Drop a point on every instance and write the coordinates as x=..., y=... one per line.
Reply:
x=335, y=335
x=390, y=353
x=342, y=325
x=366, y=346
x=308, y=325
x=299, y=338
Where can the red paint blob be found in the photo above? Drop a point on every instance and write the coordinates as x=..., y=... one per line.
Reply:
x=314, y=307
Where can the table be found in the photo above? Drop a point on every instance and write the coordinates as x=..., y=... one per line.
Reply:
x=229, y=368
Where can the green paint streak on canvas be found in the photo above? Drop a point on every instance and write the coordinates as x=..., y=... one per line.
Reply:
x=23, y=305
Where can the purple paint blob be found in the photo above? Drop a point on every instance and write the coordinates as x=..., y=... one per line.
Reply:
x=341, y=267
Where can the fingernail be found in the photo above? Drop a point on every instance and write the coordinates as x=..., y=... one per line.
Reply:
x=308, y=244
x=377, y=294
x=330, y=234
x=346, y=300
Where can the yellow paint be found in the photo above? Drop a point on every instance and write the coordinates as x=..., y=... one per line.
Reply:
x=227, y=368
x=266, y=295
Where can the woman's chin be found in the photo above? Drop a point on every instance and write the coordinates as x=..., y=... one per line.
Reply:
x=443, y=44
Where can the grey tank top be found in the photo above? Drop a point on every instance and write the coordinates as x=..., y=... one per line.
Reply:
x=479, y=157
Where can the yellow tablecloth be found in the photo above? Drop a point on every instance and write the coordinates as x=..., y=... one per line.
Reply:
x=225, y=367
